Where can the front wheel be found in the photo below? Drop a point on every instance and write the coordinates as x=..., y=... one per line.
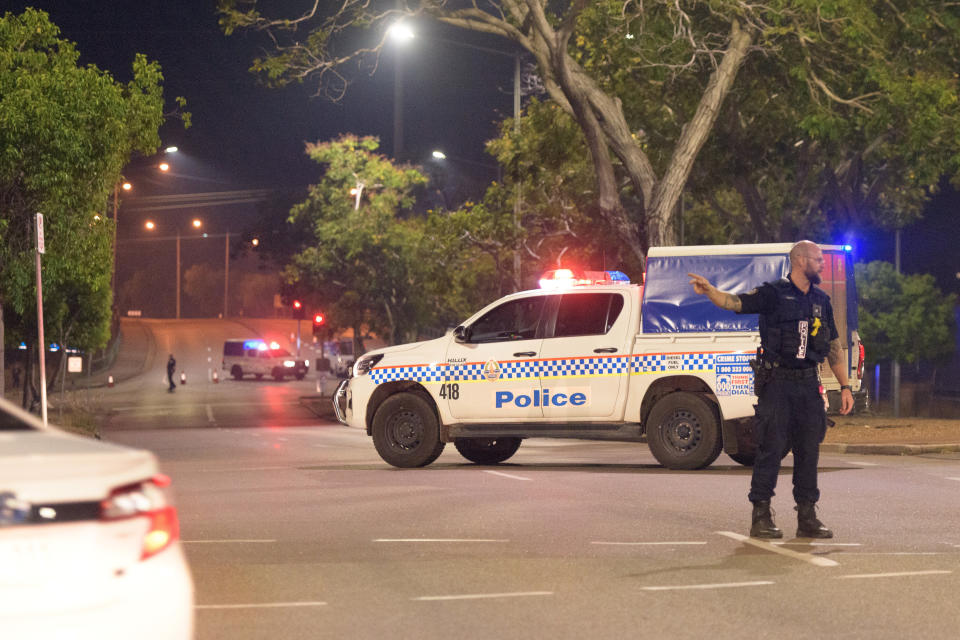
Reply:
x=487, y=450
x=406, y=431
x=683, y=431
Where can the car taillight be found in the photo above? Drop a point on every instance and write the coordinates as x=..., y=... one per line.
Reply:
x=147, y=499
x=860, y=363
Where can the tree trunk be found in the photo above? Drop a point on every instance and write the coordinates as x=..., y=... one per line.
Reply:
x=3, y=356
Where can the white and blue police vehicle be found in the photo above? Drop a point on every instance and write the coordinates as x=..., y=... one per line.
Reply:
x=591, y=355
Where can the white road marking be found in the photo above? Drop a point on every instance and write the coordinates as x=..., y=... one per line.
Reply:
x=638, y=544
x=717, y=585
x=438, y=540
x=862, y=464
x=507, y=475
x=898, y=574
x=806, y=557
x=819, y=544
x=481, y=596
x=159, y=407
x=227, y=541
x=958, y=479
x=210, y=414
x=264, y=605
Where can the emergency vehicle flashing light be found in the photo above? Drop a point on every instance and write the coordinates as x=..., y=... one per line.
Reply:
x=567, y=278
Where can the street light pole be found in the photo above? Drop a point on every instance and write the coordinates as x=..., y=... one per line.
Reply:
x=178, y=273
x=517, y=276
x=226, y=272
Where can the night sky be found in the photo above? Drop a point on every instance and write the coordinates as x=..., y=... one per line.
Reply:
x=245, y=136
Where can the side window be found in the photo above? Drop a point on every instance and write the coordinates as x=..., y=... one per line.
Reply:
x=514, y=320
x=587, y=314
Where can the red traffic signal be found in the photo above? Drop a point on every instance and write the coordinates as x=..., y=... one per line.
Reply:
x=298, y=310
x=317, y=323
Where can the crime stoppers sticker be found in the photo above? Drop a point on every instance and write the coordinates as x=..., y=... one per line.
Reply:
x=734, y=375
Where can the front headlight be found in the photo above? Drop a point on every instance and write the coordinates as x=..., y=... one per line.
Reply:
x=364, y=364
x=289, y=363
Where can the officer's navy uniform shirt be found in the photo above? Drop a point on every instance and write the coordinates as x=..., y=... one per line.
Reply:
x=766, y=299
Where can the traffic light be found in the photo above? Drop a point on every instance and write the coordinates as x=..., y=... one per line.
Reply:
x=317, y=323
x=299, y=313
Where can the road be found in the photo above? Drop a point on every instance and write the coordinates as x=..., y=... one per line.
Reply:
x=294, y=528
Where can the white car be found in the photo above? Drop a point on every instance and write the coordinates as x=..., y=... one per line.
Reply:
x=89, y=540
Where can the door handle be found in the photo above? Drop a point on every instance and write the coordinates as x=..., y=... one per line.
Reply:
x=606, y=350
x=525, y=354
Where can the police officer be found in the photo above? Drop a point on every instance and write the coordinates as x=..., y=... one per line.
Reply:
x=797, y=332
x=171, y=367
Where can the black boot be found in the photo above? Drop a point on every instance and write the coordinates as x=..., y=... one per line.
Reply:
x=763, y=526
x=808, y=526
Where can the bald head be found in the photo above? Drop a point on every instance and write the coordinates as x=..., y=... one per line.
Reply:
x=806, y=263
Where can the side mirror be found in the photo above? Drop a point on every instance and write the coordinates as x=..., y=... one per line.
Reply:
x=461, y=334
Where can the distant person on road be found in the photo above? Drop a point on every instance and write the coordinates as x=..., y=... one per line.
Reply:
x=797, y=332
x=171, y=367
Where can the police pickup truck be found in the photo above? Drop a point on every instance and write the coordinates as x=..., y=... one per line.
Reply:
x=592, y=356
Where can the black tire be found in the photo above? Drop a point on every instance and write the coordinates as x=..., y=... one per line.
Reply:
x=236, y=372
x=301, y=376
x=406, y=431
x=487, y=450
x=748, y=458
x=683, y=431
x=277, y=374
x=258, y=376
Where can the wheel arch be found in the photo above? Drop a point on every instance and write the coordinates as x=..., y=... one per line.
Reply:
x=387, y=389
x=666, y=386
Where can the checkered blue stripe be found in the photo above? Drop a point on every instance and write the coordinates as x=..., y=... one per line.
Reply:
x=585, y=367
x=571, y=367
x=662, y=362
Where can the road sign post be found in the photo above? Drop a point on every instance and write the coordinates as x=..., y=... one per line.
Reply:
x=43, y=352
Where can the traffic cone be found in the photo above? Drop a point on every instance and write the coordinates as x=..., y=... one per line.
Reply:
x=110, y=381
x=216, y=377
x=183, y=377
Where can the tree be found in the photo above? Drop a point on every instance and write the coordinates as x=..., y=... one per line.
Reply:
x=369, y=267
x=848, y=109
x=904, y=317
x=203, y=284
x=65, y=133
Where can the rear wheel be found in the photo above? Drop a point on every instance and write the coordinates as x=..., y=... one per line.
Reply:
x=487, y=450
x=277, y=374
x=683, y=431
x=236, y=372
x=406, y=431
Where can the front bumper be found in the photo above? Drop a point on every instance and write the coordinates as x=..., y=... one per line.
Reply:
x=341, y=402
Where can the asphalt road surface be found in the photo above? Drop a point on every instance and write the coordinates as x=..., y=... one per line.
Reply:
x=295, y=528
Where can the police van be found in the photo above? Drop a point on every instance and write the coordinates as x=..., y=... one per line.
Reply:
x=591, y=355
x=253, y=356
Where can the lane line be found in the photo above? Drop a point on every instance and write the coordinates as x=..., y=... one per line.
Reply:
x=264, y=605
x=228, y=541
x=806, y=557
x=507, y=475
x=638, y=544
x=438, y=540
x=862, y=464
x=482, y=596
x=210, y=414
x=957, y=479
x=898, y=574
x=156, y=407
x=819, y=544
x=717, y=585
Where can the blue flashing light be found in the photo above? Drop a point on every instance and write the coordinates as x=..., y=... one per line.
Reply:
x=54, y=346
x=23, y=346
x=848, y=247
x=618, y=276
x=257, y=345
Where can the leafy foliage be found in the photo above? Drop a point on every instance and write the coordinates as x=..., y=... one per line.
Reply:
x=65, y=133
x=904, y=317
x=371, y=267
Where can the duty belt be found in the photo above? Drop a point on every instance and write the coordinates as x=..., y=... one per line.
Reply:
x=808, y=373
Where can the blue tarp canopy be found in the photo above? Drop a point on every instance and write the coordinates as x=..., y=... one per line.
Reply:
x=671, y=306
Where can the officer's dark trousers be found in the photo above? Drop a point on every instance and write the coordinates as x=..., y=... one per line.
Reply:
x=790, y=413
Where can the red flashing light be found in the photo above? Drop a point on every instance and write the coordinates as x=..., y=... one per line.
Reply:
x=296, y=304
x=318, y=319
x=566, y=278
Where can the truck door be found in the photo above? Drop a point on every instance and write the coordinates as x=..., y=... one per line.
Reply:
x=493, y=372
x=584, y=359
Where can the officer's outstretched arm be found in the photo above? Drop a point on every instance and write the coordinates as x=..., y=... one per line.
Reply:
x=722, y=299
